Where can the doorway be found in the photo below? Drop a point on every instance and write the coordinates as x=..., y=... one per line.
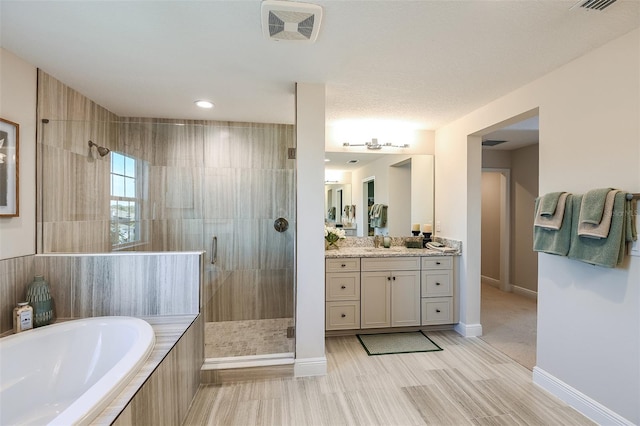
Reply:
x=368, y=191
x=508, y=264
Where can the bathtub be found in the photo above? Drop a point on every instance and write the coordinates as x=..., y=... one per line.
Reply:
x=67, y=373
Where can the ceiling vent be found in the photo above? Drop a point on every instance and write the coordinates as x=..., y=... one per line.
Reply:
x=597, y=4
x=290, y=21
x=491, y=142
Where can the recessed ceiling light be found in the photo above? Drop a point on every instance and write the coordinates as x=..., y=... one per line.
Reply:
x=326, y=160
x=204, y=104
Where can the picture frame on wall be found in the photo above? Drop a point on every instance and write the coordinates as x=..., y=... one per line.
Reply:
x=9, y=137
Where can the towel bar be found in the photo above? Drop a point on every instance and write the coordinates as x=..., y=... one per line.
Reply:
x=631, y=196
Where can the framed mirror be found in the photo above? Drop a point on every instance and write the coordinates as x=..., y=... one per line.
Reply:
x=403, y=182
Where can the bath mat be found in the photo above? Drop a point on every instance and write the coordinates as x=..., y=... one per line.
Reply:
x=397, y=343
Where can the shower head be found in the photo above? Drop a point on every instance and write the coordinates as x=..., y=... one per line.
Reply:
x=101, y=149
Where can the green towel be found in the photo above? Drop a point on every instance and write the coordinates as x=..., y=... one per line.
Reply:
x=551, y=241
x=549, y=203
x=630, y=214
x=607, y=252
x=592, y=206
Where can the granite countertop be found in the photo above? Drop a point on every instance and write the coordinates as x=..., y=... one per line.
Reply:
x=393, y=251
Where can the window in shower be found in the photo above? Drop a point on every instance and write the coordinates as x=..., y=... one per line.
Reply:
x=126, y=200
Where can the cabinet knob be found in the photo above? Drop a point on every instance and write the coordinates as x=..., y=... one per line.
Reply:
x=343, y=266
x=394, y=278
x=343, y=315
x=388, y=278
x=437, y=283
x=438, y=310
x=437, y=263
x=342, y=287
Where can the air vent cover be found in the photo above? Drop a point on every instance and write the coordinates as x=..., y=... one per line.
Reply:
x=491, y=142
x=290, y=21
x=597, y=4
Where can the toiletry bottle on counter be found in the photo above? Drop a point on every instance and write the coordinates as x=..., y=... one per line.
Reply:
x=22, y=317
x=386, y=242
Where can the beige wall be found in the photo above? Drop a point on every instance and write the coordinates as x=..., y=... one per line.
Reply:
x=18, y=81
x=524, y=190
x=589, y=133
x=491, y=225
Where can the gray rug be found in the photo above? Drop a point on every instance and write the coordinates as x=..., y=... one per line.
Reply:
x=397, y=343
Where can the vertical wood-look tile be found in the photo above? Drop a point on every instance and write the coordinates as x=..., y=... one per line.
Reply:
x=15, y=274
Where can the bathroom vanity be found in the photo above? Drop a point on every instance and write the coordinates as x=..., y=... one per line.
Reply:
x=373, y=288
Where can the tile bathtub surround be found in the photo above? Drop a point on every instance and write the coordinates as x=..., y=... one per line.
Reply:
x=15, y=275
x=134, y=284
x=162, y=391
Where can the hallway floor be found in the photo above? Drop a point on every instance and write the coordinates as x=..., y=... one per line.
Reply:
x=509, y=324
x=468, y=383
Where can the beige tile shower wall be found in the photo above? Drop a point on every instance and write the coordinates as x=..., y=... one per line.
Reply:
x=123, y=284
x=229, y=180
x=15, y=274
x=249, y=183
x=74, y=180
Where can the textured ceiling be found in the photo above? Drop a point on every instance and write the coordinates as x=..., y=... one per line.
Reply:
x=421, y=63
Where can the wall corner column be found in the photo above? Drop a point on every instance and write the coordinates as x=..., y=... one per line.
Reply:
x=310, y=134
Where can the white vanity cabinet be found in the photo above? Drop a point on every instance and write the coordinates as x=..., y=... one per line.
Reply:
x=390, y=292
x=437, y=290
x=342, y=294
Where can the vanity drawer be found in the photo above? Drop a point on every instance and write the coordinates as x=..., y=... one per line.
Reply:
x=345, y=264
x=390, y=263
x=436, y=283
x=437, y=310
x=342, y=286
x=342, y=315
x=437, y=262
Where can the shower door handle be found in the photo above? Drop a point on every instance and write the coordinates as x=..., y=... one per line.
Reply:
x=214, y=250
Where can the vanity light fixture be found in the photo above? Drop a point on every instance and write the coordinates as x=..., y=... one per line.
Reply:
x=374, y=145
x=204, y=104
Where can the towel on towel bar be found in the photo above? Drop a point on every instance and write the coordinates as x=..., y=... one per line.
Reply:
x=553, y=241
x=592, y=207
x=601, y=230
x=553, y=221
x=607, y=252
x=549, y=204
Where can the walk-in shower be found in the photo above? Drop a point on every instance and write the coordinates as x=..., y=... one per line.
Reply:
x=172, y=185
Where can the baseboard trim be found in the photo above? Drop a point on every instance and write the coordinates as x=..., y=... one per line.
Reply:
x=305, y=367
x=524, y=292
x=491, y=281
x=468, y=330
x=576, y=399
x=248, y=361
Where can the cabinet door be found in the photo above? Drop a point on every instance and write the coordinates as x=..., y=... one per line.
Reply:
x=375, y=297
x=342, y=315
x=437, y=310
x=436, y=283
x=342, y=286
x=405, y=298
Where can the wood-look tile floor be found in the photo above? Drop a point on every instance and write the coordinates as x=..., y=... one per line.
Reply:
x=468, y=383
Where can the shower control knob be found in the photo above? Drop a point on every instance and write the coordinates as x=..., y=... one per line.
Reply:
x=281, y=224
